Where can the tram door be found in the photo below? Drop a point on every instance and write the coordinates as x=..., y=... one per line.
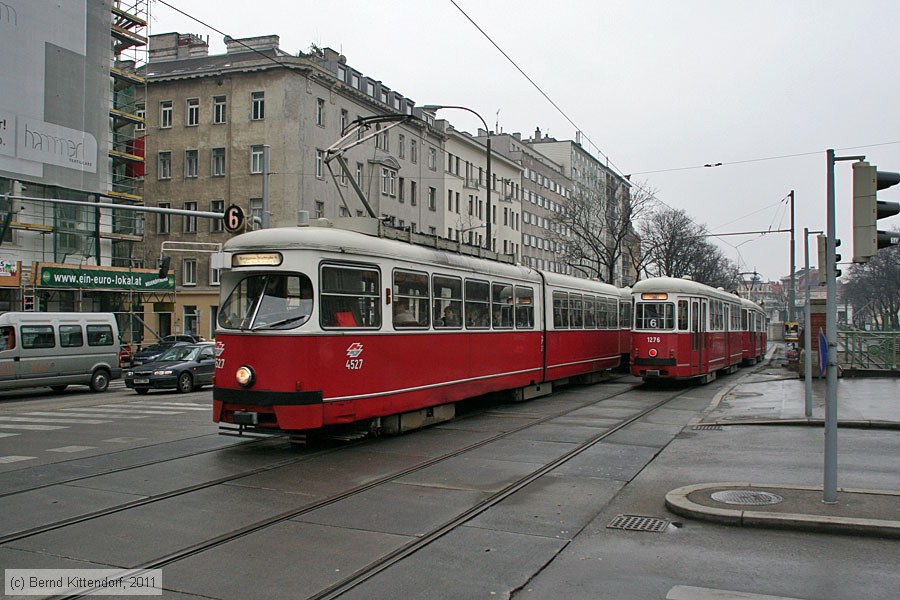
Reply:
x=698, y=337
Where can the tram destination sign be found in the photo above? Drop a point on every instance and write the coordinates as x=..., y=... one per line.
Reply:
x=61, y=276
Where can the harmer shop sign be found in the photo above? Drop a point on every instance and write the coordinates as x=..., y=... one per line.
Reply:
x=62, y=276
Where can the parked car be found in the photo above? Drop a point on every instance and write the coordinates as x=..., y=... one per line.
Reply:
x=125, y=355
x=183, y=337
x=152, y=352
x=183, y=367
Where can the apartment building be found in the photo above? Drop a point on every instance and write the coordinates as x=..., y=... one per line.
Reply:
x=209, y=120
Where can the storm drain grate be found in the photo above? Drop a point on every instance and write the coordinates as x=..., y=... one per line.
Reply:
x=638, y=523
x=708, y=427
x=747, y=497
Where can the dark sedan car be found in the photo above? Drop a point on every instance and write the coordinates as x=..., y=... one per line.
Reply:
x=183, y=368
x=152, y=352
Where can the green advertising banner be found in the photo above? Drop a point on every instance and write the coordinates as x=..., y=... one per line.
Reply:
x=103, y=279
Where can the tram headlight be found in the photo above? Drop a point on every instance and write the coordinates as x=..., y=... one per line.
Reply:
x=652, y=352
x=245, y=376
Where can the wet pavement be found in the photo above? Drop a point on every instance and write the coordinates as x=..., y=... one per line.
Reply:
x=777, y=396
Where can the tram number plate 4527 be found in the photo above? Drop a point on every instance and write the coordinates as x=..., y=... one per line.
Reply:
x=354, y=364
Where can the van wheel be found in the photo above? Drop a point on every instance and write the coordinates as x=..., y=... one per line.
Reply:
x=99, y=380
x=185, y=383
x=58, y=388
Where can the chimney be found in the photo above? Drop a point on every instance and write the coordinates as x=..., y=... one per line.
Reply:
x=263, y=42
x=537, y=133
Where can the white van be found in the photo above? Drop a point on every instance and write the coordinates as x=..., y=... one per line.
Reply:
x=58, y=349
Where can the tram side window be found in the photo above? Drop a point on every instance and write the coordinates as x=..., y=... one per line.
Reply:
x=735, y=318
x=350, y=297
x=71, y=336
x=37, y=336
x=7, y=338
x=744, y=319
x=590, y=314
x=612, y=311
x=683, y=322
x=100, y=335
x=576, y=311
x=478, y=307
x=447, y=305
x=625, y=314
x=502, y=305
x=410, y=299
x=560, y=310
x=524, y=307
x=654, y=315
x=602, y=314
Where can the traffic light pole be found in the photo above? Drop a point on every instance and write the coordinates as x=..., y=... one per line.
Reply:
x=830, y=483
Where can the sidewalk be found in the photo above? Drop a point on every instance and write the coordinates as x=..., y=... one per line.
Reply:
x=773, y=395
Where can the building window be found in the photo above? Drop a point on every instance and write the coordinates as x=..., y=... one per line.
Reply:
x=320, y=163
x=164, y=220
x=218, y=162
x=256, y=159
x=188, y=274
x=342, y=73
x=141, y=114
x=413, y=193
x=191, y=160
x=401, y=146
x=432, y=159
x=165, y=165
x=165, y=114
x=320, y=209
x=217, y=206
x=215, y=278
x=256, y=211
x=400, y=185
x=193, y=112
x=258, y=106
x=320, y=112
x=388, y=181
x=354, y=80
x=359, y=173
x=190, y=221
x=220, y=107
x=413, y=151
x=432, y=198
x=345, y=118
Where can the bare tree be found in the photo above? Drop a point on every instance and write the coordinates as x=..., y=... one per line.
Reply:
x=673, y=245
x=595, y=230
x=873, y=289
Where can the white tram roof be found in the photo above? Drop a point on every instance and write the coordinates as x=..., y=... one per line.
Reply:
x=675, y=285
x=350, y=245
x=751, y=305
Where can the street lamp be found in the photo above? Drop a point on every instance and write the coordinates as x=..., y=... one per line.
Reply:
x=487, y=229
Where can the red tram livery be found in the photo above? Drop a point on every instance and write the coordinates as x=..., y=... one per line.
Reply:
x=684, y=329
x=322, y=326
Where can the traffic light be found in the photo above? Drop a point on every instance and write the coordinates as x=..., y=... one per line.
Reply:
x=867, y=209
x=822, y=242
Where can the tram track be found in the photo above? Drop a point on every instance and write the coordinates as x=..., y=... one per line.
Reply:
x=379, y=565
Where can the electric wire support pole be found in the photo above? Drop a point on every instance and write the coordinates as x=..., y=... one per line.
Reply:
x=791, y=292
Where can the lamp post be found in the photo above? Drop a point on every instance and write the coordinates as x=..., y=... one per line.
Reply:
x=489, y=185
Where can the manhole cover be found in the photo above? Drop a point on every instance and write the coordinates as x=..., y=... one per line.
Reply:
x=638, y=523
x=749, y=497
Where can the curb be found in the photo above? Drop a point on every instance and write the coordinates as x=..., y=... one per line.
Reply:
x=678, y=502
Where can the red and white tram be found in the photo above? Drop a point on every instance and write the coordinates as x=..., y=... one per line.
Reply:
x=321, y=326
x=753, y=327
x=684, y=329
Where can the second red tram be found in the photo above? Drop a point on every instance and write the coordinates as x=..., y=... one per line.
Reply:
x=683, y=329
x=322, y=326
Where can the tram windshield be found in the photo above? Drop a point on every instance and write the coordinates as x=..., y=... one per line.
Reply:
x=268, y=301
x=654, y=315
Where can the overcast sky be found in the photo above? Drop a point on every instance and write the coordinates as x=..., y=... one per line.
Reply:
x=659, y=87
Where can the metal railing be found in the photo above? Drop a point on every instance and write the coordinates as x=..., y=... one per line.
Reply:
x=869, y=350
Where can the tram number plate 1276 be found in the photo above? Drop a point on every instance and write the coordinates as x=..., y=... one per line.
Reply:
x=354, y=364
x=653, y=339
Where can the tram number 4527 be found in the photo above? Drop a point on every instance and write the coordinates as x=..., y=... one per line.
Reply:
x=354, y=364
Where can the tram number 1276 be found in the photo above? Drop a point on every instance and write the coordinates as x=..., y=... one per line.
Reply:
x=653, y=339
x=354, y=364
